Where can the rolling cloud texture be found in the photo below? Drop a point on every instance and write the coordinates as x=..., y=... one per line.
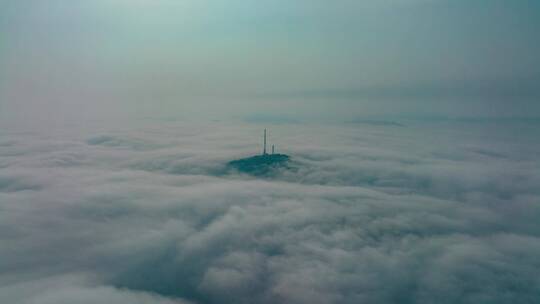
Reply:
x=425, y=212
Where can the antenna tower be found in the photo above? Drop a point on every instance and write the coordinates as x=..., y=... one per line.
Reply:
x=264, y=149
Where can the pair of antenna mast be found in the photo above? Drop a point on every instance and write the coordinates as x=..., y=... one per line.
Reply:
x=264, y=149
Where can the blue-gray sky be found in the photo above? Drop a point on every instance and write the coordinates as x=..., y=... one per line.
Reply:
x=314, y=58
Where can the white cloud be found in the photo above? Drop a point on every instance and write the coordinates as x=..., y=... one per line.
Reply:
x=372, y=213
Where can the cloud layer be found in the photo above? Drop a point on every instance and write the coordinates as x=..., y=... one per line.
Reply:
x=373, y=213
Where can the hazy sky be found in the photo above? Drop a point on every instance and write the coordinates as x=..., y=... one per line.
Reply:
x=315, y=58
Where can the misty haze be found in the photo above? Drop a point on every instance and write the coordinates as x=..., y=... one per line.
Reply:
x=272, y=151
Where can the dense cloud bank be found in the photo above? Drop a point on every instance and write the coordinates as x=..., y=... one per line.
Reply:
x=372, y=213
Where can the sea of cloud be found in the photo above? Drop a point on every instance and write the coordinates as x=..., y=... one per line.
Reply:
x=417, y=212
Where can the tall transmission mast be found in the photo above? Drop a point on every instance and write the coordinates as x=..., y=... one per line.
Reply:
x=264, y=149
